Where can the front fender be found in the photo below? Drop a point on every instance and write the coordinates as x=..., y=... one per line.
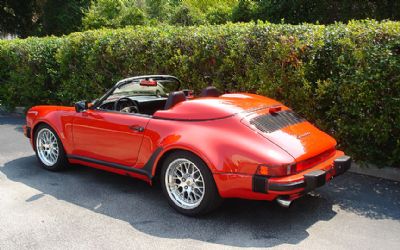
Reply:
x=57, y=117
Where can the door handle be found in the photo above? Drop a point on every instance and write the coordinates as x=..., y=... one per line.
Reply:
x=137, y=128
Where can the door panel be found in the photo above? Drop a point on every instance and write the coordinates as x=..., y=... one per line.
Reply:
x=108, y=136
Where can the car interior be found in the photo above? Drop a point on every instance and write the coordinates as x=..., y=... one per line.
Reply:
x=146, y=96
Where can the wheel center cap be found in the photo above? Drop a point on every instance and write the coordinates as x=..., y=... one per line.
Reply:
x=189, y=181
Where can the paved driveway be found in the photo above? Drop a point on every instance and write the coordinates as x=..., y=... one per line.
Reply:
x=87, y=208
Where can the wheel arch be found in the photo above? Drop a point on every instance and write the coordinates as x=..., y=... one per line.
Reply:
x=35, y=128
x=44, y=122
x=167, y=152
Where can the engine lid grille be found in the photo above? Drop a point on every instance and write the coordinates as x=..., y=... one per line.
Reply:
x=269, y=123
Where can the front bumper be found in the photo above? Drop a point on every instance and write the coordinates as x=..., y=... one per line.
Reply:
x=305, y=183
x=27, y=131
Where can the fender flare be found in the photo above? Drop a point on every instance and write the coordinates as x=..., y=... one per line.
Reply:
x=153, y=164
x=36, y=125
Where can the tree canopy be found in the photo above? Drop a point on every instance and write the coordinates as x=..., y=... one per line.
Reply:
x=58, y=17
x=41, y=17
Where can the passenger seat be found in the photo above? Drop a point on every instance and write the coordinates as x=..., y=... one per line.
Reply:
x=174, y=98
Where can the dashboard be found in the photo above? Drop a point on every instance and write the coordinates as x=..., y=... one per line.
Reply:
x=136, y=104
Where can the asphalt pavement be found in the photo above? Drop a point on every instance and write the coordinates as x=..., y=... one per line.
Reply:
x=85, y=208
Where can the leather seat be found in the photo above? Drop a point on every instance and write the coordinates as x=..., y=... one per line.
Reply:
x=174, y=98
x=210, y=91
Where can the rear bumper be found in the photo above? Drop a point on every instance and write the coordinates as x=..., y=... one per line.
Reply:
x=246, y=186
x=314, y=179
x=302, y=183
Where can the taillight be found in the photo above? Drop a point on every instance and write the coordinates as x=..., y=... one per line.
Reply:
x=308, y=163
x=276, y=170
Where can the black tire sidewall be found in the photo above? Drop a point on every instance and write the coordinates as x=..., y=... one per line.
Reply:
x=62, y=161
x=211, y=198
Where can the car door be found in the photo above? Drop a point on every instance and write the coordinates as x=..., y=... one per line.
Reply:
x=108, y=136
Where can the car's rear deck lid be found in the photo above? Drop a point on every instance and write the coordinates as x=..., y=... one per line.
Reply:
x=292, y=133
x=269, y=123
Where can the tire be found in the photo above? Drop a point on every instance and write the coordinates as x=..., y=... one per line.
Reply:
x=188, y=173
x=47, y=140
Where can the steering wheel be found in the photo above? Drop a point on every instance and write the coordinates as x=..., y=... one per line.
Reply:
x=126, y=105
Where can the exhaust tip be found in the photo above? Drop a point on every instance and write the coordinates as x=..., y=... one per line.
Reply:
x=283, y=203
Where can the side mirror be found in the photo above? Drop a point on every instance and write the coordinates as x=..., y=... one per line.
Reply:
x=81, y=106
x=94, y=102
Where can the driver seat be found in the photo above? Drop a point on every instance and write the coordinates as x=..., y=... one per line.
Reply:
x=174, y=98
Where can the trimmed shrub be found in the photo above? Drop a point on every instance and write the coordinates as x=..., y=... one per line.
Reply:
x=29, y=71
x=343, y=77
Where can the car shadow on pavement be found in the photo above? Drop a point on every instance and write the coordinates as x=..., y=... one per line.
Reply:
x=236, y=223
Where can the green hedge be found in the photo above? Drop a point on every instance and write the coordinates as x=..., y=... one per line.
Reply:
x=343, y=77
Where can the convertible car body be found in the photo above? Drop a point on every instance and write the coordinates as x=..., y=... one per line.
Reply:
x=201, y=149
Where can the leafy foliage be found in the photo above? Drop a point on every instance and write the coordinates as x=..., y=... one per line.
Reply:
x=112, y=14
x=186, y=15
x=105, y=13
x=197, y=12
x=16, y=16
x=59, y=17
x=156, y=9
x=243, y=11
x=325, y=12
x=343, y=77
x=219, y=15
x=41, y=17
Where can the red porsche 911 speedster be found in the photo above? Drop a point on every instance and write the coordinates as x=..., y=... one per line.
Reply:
x=201, y=149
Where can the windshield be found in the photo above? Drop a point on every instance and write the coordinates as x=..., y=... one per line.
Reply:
x=158, y=87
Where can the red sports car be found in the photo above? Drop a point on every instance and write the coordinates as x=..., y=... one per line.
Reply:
x=201, y=149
